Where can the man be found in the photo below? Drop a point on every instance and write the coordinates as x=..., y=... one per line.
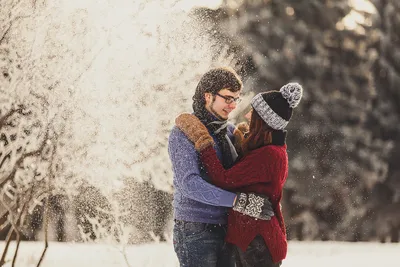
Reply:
x=200, y=209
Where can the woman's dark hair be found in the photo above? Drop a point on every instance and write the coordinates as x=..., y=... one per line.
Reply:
x=260, y=134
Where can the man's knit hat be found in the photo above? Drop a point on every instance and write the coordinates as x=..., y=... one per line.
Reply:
x=276, y=107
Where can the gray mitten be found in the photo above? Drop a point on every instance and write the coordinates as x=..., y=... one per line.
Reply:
x=254, y=205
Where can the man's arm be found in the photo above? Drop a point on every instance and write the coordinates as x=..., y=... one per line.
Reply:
x=185, y=165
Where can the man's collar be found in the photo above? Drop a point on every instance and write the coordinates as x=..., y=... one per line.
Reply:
x=208, y=117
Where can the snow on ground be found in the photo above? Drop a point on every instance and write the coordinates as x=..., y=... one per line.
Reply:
x=310, y=254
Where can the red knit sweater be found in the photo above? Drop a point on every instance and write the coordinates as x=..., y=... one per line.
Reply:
x=262, y=171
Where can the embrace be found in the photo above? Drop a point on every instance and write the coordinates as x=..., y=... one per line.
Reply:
x=228, y=180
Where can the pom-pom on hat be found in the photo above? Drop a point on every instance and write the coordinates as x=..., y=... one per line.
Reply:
x=276, y=107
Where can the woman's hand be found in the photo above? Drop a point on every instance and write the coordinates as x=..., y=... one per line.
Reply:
x=195, y=131
x=239, y=134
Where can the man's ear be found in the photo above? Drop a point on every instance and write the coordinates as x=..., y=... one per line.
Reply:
x=207, y=97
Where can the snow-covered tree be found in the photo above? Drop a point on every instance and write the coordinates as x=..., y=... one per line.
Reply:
x=101, y=84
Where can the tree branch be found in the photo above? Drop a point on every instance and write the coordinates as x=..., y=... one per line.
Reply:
x=24, y=156
x=13, y=228
x=8, y=240
x=4, y=119
x=3, y=36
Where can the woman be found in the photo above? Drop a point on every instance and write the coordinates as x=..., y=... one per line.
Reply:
x=263, y=169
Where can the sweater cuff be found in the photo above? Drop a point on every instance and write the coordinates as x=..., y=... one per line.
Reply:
x=227, y=199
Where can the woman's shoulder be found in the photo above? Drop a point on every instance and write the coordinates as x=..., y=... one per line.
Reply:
x=271, y=150
x=275, y=148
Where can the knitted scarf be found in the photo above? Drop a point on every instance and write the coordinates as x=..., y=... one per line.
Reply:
x=219, y=129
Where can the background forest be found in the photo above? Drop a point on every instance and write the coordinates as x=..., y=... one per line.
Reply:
x=344, y=183
x=83, y=134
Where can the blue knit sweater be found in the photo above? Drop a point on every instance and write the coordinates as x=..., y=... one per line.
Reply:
x=195, y=199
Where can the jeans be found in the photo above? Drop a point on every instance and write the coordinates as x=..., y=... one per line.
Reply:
x=256, y=255
x=201, y=245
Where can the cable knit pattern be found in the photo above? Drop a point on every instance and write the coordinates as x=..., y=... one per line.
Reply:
x=195, y=199
x=262, y=171
x=267, y=114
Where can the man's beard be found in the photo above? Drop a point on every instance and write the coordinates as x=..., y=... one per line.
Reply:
x=216, y=114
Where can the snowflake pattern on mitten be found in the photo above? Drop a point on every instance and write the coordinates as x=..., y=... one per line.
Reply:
x=254, y=206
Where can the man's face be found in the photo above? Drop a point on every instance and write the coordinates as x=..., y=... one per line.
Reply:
x=216, y=104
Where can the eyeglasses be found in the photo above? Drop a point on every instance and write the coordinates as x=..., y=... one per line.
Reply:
x=230, y=99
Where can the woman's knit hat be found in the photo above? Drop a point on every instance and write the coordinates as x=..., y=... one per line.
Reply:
x=276, y=107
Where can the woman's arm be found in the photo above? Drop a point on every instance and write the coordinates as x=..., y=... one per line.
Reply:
x=260, y=166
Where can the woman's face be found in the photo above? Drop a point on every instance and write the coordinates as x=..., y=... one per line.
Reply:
x=248, y=115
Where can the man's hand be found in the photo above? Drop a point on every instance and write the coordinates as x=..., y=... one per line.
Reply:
x=254, y=205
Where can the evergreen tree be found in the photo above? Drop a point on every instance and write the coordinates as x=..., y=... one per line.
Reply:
x=335, y=159
x=384, y=118
x=385, y=115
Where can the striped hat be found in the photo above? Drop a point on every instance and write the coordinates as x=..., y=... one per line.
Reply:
x=276, y=107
